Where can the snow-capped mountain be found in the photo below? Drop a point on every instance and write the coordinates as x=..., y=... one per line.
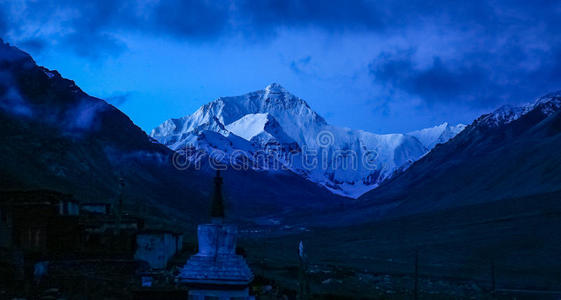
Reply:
x=271, y=128
x=440, y=134
x=57, y=137
x=509, y=154
x=505, y=114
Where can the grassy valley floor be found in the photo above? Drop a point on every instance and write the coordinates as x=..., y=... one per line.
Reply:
x=502, y=249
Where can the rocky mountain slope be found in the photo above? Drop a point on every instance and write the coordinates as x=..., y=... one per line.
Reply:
x=509, y=153
x=55, y=136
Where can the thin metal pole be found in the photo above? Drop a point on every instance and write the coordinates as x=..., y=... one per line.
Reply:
x=416, y=291
x=493, y=282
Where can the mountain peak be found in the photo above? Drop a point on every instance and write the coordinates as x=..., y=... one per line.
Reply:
x=505, y=114
x=275, y=88
x=548, y=97
x=9, y=53
x=438, y=134
x=549, y=102
x=502, y=115
x=274, y=119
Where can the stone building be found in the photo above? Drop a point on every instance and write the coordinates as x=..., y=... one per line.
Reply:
x=157, y=247
x=100, y=208
x=41, y=221
x=216, y=271
x=109, y=235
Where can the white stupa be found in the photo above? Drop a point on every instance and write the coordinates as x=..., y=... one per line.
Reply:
x=216, y=270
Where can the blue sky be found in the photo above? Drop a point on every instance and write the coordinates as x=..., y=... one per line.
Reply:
x=383, y=66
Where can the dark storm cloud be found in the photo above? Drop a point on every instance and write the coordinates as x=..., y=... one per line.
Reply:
x=35, y=45
x=205, y=19
x=438, y=81
x=101, y=44
x=91, y=22
x=473, y=78
x=191, y=18
x=336, y=14
x=484, y=51
x=91, y=28
x=510, y=53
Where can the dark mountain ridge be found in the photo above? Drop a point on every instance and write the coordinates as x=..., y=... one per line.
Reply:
x=482, y=208
x=55, y=136
x=510, y=153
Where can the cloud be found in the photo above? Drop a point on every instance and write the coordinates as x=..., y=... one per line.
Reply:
x=12, y=102
x=84, y=115
x=477, y=53
x=332, y=15
x=298, y=66
x=472, y=78
x=436, y=82
x=97, y=26
x=34, y=45
x=119, y=99
x=192, y=19
x=3, y=22
x=103, y=44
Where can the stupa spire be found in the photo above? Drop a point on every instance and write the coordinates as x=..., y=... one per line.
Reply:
x=216, y=271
